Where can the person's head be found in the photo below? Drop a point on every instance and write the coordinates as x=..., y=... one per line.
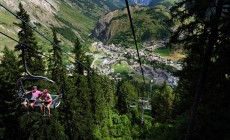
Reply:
x=45, y=91
x=35, y=88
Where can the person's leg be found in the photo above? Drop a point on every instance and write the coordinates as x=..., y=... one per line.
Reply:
x=41, y=107
x=25, y=105
x=32, y=106
x=48, y=108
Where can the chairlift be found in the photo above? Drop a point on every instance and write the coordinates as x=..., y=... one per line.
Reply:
x=145, y=103
x=143, y=100
x=22, y=93
x=133, y=105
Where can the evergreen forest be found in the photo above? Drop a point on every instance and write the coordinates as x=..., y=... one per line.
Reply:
x=93, y=106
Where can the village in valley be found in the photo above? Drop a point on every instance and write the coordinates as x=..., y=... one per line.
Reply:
x=113, y=59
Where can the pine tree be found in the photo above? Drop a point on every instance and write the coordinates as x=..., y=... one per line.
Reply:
x=57, y=72
x=35, y=126
x=98, y=103
x=77, y=104
x=126, y=93
x=108, y=87
x=26, y=36
x=77, y=101
x=162, y=101
x=8, y=102
x=204, y=38
x=56, y=68
x=67, y=104
x=79, y=56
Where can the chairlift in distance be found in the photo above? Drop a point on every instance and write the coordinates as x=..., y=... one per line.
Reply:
x=143, y=100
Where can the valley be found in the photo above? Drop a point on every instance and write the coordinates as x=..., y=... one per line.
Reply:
x=119, y=62
x=158, y=72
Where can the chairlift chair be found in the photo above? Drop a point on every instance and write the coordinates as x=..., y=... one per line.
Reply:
x=29, y=77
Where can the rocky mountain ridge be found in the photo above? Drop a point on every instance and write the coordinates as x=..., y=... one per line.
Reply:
x=70, y=17
x=102, y=31
x=149, y=23
x=143, y=2
x=46, y=9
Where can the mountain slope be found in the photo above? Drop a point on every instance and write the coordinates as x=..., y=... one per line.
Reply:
x=71, y=18
x=148, y=22
x=150, y=2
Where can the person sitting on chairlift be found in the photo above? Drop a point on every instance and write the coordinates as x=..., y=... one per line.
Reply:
x=35, y=93
x=46, y=100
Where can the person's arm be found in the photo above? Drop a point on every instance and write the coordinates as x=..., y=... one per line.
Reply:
x=28, y=92
x=39, y=97
x=50, y=98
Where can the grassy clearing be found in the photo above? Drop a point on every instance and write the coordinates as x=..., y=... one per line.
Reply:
x=176, y=56
x=97, y=62
x=76, y=18
x=7, y=27
x=125, y=69
x=7, y=18
x=170, y=54
x=92, y=49
x=4, y=41
x=122, y=67
x=138, y=77
x=163, y=51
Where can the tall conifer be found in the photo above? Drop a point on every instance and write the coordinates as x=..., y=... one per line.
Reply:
x=205, y=38
x=79, y=55
x=56, y=66
x=8, y=102
x=77, y=100
x=26, y=36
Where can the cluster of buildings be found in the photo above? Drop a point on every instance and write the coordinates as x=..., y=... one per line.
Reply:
x=107, y=56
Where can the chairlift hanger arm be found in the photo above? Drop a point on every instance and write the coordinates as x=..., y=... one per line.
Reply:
x=29, y=76
x=23, y=47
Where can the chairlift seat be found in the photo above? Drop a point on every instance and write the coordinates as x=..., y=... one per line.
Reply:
x=132, y=106
x=33, y=99
x=55, y=103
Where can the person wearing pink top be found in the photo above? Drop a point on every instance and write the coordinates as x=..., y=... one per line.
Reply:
x=35, y=94
x=46, y=99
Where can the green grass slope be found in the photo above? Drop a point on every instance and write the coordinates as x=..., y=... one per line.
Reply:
x=71, y=19
x=149, y=23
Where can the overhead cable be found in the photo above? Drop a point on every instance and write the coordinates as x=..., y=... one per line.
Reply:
x=135, y=40
x=41, y=34
x=38, y=52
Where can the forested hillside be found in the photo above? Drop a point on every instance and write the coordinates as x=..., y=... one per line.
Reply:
x=70, y=18
x=149, y=24
x=95, y=107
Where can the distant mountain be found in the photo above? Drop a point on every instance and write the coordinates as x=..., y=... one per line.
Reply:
x=71, y=18
x=150, y=2
x=149, y=23
x=144, y=2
